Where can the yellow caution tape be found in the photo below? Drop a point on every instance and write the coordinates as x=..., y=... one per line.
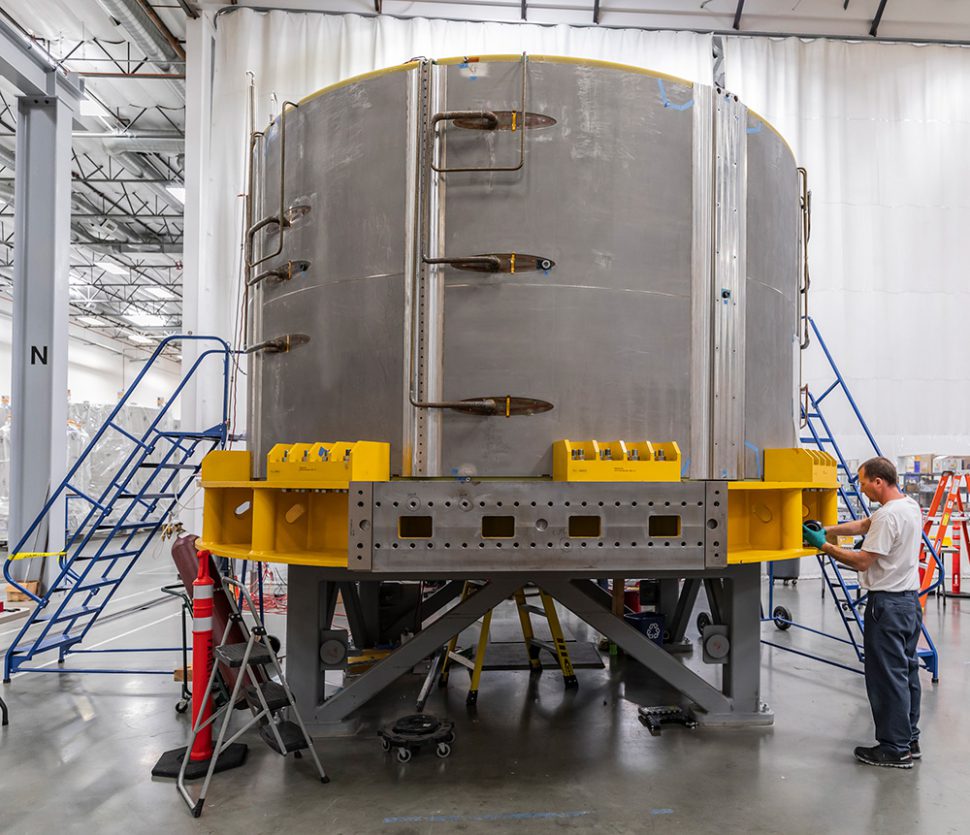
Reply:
x=23, y=555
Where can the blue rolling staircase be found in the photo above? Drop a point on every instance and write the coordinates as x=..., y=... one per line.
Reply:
x=102, y=548
x=846, y=593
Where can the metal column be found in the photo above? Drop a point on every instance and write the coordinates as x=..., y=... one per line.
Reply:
x=42, y=218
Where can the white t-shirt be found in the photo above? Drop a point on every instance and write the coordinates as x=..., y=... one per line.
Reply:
x=894, y=534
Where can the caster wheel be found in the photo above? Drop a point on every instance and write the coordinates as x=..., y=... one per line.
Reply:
x=443, y=749
x=403, y=755
x=450, y=738
x=782, y=618
x=181, y=706
x=703, y=621
x=794, y=582
x=472, y=697
x=297, y=755
x=385, y=745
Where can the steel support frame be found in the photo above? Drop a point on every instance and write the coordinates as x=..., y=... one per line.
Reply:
x=737, y=702
x=206, y=295
x=41, y=261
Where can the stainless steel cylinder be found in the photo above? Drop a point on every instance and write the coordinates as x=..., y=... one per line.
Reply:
x=518, y=231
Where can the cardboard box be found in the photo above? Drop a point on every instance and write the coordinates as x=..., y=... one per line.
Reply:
x=16, y=596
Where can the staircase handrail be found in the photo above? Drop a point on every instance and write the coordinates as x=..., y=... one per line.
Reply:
x=840, y=381
x=223, y=349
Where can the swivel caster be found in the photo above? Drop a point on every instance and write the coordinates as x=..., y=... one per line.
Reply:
x=782, y=618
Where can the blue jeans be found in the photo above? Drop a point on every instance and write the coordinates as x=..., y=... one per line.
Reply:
x=892, y=629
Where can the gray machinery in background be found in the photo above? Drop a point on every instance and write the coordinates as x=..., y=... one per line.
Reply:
x=471, y=260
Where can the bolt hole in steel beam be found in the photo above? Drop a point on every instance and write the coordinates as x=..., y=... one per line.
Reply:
x=584, y=527
x=498, y=527
x=664, y=526
x=415, y=527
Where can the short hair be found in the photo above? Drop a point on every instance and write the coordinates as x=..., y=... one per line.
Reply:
x=880, y=468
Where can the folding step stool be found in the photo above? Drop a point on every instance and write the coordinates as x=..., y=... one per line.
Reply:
x=265, y=698
x=532, y=644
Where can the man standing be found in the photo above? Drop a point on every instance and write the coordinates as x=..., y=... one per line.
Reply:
x=888, y=567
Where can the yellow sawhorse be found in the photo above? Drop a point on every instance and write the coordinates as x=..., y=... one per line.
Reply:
x=557, y=647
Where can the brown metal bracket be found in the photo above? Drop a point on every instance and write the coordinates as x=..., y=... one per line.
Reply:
x=507, y=406
x=284, y=273
x=496, y=262
x=279, y=345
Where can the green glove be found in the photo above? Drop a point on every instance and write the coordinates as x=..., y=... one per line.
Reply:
x=814, y=539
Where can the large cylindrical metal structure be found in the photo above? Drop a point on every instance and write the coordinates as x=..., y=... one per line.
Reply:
x=616, y=243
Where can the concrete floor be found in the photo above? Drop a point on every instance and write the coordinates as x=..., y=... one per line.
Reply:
x=532, y=758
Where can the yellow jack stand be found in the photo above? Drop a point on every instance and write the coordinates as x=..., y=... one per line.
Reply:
x=532, y=644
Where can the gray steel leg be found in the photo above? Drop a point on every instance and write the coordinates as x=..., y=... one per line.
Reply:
x=309, y=609
x=742, y=673
x=572, y=595
x=418, y=648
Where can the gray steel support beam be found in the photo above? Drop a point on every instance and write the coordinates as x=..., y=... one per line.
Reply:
x=742, y=613
x=310, y=604
x=638, y=646
x=42, y=240
x=400, y=661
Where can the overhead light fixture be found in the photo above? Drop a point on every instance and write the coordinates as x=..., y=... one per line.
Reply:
x=177, y=190
x=145, y=320
x=112, y=267
x=138, y=339
x=94, y=321
x=159, y=293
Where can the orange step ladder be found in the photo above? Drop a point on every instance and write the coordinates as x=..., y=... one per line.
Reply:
x=949, y=507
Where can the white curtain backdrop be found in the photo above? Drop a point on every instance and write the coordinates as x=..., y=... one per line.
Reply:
x=884, y=131
x=292, y=54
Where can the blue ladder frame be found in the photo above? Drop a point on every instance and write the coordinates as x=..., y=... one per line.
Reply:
x=138, y=499
x=847, y=595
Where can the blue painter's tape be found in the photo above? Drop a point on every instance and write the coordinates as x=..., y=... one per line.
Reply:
x=507, y=816
x=667, y=102
x=757, y=454
x=685, y=467
x=661, y=811
x=755, y=129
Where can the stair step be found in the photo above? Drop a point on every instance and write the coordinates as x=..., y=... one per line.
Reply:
x=149, y=523
x=535, y=610
x=50, y=642
x=113, y=555
x=290, y=733
x=275, y=695
x=546, y=645
x=232, y=654
x=68, y=614
x=148, y=495
x=100, y=584
x=157, y=465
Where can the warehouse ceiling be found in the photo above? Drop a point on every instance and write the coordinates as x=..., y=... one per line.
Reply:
x=127, y=167
x=127, y=202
